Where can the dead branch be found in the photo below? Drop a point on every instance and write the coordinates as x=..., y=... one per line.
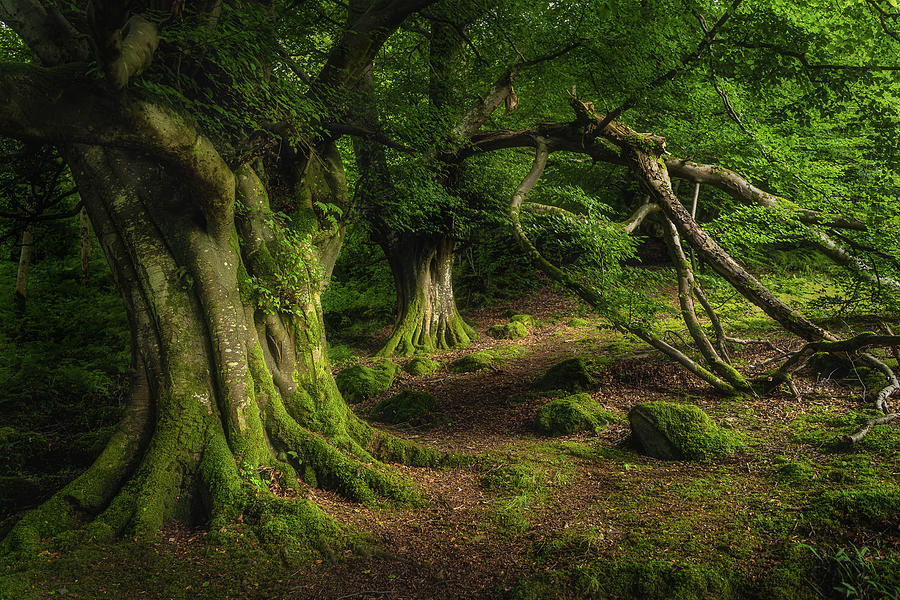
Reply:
x=864, y=429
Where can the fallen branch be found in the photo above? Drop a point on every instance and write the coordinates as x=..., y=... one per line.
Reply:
x=863, y=430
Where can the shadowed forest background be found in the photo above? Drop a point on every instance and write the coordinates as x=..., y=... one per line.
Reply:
x=417, y=299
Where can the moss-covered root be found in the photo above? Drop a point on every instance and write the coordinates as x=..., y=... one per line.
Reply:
x=415, y=333
x=88, y=494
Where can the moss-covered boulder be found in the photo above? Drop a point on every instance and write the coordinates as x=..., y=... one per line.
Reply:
x=564, y=416
x=526, y=320
x=472, y=362
x=421, y=365
x=408, y=405
x=487, y=359
x=359, y=382
x=680, y=432
x=571, y=375
x=508, y=331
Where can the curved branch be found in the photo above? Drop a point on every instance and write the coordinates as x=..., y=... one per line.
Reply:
x=135, y=46
x=743, y=191
x=827, y=246
x=637, y=217
x=45, y=31
x=586, y=293
x=858, y=435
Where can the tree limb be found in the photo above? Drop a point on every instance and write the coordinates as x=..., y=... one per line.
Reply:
x=59, y=105
x=804, y=61
x=45, y=31
x=585, y=292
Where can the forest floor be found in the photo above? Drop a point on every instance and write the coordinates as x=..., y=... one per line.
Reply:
x=794, y=514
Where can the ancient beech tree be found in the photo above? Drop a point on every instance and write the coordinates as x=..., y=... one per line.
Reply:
x=220, y=248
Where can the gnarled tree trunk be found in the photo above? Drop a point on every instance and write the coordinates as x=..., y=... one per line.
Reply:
x=230, y=375
x=427, y=318
x=222, y=384
x=20, y=294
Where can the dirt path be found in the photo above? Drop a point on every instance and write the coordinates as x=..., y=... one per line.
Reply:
x=534, y=508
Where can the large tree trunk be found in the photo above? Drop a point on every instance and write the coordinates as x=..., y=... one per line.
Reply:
x=427, y=318
x=224, y=382
x=230, y=373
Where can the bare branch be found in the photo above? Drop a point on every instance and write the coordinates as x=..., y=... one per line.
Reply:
x=45, y=31
x=630, y=224
x=742, y=190
x=858, y=435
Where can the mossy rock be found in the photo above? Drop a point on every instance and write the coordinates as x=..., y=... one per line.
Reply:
x=508, y=331
x=421, y=365
x=360, y=383
x=578, y=322
x=406, y=406
x=680, y=432
x=526, y=320
x=565, y=416
x=487, y=359
x=472, y=362
x=571, y=375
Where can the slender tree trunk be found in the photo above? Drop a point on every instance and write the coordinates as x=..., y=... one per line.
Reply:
x=427, y=318
x=20, y=294
x=85, y=246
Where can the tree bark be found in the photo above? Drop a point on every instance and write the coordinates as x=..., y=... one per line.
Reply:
x=84, y=227
x=427, y=318
x=20, y=294
x=230, y=371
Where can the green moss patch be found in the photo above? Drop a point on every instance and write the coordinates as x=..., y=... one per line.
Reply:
x=571, y=375
x=487, y=359
x=526, y=320
x=408, y=405
x=789, y=471
x=577, y=322
x=565, y=416
x=508, y=331
x=875, y=506
x=359, y=383
x=421, y=366
x=680, y=432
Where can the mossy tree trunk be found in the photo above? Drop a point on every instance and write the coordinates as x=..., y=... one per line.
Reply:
x=427, y=318
x=223, y=383
x=230, y=376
